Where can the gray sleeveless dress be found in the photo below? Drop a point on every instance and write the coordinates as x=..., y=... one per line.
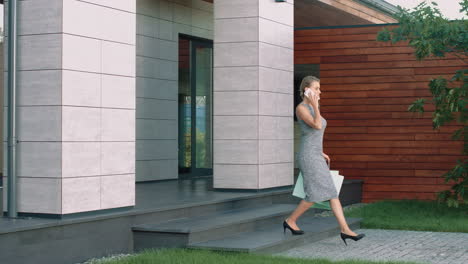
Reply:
x=318, y=182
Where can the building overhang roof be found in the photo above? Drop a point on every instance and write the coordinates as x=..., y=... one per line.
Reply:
x=313, y=13
x=380, y=5
x=325, y=13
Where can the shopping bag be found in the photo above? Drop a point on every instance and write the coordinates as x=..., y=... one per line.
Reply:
x=299, y=192
x=299, y=189
x=337, y=180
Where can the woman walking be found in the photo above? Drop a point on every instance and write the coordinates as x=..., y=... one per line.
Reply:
x=318, y=182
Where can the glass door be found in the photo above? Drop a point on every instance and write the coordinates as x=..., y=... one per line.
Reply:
x=195, y=107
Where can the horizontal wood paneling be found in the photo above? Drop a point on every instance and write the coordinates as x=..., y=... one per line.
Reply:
x=367, y=87
x=344, y=45
x=393, y=151
x=383, y=115
x=340, y=31
x=370, y=101
x=370, y=107
x=331, y=38
x=320, y=58
x=390, y=143
x=393, y=64
x=368, y=197
x=377, y=87
x=382, y=79
x=354, y=51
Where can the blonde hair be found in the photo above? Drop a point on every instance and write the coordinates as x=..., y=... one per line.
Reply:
x=307, y=82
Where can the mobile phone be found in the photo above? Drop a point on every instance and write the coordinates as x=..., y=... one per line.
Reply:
x=309, y=93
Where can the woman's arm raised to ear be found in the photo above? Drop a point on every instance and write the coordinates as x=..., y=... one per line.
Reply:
x=313, y=121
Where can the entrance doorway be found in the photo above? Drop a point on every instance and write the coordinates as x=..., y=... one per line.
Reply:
x=195, y=107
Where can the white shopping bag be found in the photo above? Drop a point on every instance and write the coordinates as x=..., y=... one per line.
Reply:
x=337, y=180
x=299, y=188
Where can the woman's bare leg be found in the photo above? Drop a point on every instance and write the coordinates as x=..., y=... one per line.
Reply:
x=338, y=211
x=300, y=209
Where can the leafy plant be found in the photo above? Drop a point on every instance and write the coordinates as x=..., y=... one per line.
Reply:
x=432, y=35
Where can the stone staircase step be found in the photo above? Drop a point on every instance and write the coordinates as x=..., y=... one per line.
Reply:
x=270, y=239
x=181, y=232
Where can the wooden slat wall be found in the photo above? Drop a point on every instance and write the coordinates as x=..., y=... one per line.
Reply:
x=367, y=87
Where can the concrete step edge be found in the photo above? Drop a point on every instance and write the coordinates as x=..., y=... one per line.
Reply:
x=291, y=239
x=156, y=229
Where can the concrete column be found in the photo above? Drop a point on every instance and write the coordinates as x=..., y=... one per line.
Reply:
x=253, y=94
x=76, y=105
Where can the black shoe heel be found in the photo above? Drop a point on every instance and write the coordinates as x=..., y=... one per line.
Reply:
x=355, y=238
x=294, y=232
x=344, y=240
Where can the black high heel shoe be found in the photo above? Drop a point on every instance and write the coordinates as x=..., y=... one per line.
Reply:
x=294, y=232
x=355, y=238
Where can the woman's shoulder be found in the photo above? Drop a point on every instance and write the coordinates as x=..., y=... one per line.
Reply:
x=304, y=106
x=304, y=109
x=301, y=107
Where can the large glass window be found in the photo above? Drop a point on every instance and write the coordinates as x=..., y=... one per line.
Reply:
x=195, y=107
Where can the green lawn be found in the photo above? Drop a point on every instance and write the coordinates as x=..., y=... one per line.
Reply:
x=185, y=256
x=412, y=215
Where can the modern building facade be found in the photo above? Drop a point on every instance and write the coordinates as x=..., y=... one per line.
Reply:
x=111, y=93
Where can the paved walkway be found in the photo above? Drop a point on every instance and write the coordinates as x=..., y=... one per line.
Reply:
x=390, y=245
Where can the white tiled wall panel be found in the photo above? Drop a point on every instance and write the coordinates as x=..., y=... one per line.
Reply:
x=117, y=190
x=253, y=98
x=81, y=88
x=41, y=87
x=77, y=100
x=81, y=194
x=81, y=53
x=101, y=21
x=81, y=159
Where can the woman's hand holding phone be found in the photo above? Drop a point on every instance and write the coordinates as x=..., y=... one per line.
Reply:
x=312, y=96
